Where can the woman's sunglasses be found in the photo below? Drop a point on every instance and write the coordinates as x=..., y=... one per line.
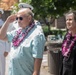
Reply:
x=20, y=18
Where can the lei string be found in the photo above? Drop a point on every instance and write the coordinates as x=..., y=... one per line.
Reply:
x=66, y=49
x=17, y=39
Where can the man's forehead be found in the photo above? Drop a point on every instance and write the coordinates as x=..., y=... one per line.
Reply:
x=21, y=14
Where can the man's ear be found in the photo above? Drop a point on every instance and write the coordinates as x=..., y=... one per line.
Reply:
x=30, y=17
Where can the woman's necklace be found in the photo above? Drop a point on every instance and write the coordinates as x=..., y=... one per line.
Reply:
x=17, y=40
x=65, y=48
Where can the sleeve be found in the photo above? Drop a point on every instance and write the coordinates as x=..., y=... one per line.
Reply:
x=38, y=46
x=8, y=46
x=1, y=22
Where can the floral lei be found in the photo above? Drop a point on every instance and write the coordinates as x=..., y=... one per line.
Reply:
x=17, y=40
x=66, y=50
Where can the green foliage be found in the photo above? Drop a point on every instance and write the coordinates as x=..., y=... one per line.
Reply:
x=52, y=7
x=15, y=8
x=56, y=32
x=45, y=30
x=53, y=32
x=26, y=1
x=55, y=8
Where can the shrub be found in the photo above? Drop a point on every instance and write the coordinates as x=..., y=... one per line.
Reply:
x=53, y=32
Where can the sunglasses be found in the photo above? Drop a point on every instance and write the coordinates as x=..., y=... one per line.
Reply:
x=20, y=18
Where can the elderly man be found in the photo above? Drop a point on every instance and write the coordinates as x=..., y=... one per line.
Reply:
x=4, y=48
x=28, y=44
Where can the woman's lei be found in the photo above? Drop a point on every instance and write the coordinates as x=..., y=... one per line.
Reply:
x=65, y=48
x=17, y=40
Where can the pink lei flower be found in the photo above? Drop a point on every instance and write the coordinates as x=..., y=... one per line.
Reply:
x=67, y=49
x=17, y=40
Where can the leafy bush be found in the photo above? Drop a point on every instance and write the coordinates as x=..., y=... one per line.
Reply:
x=53, y=32
x=45, y=30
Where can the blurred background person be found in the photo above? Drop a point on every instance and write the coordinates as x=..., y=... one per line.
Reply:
x=4, y=48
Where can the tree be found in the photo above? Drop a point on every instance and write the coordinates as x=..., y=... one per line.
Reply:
x=54, y=8
x=51, y=8
x=45, y=8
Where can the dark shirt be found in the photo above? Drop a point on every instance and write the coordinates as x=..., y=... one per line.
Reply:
x=69, y=63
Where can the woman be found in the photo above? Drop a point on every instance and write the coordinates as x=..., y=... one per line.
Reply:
x=4, y=48
x=69, y=46
x=27, y=43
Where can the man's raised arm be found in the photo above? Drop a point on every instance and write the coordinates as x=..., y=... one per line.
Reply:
x=4, y=28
